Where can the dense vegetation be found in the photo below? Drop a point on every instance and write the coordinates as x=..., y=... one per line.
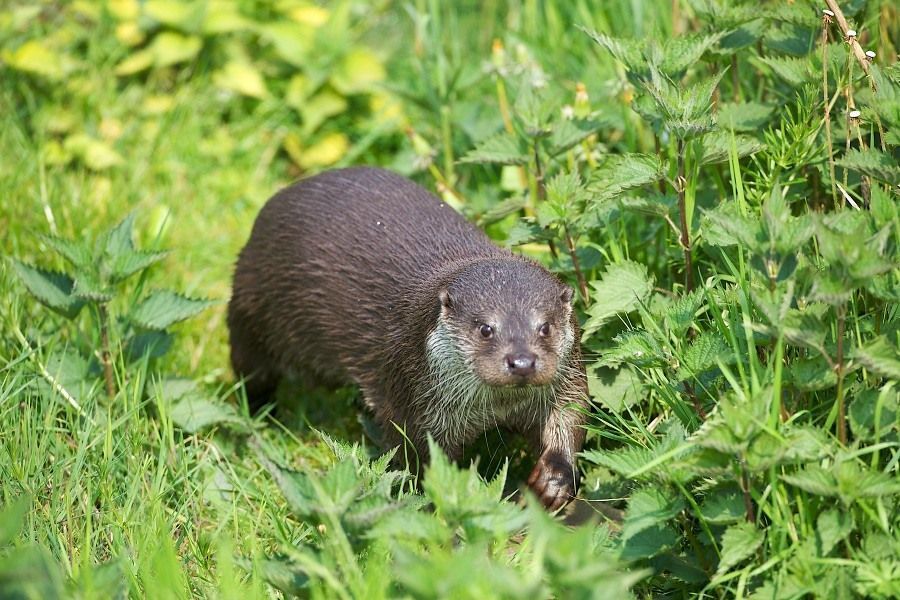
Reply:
x=718, y=180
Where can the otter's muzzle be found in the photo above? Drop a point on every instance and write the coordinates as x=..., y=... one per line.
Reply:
x=521, y=364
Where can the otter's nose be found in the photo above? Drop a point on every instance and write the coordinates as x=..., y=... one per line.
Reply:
x=521, y=364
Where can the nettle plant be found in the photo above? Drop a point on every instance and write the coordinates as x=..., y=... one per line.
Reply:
x=126, y=324
x=747, y=367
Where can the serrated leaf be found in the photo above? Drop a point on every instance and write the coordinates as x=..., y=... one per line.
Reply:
x=193, y=413
x=739, y=542
x=744, y=116
x=703, y=354
x=795, y=71
x=678, y=314
x=616, y=389
x=627, y=51
x=649, y=542
x=502, y=148
x=871, y=408
x=622, y=172
x=89, y=287
x=879, y=356
x=650, y=506
x=873, y=163
x=718, y=145
x=723, y=506
x=724, y=226
x=127, y=264
x=623, y=287
x=568, y=132
x=78, y=254
x=831, y=527
x=636, y=348
x=814, y=480
x=164, y=308
x=810, y=375
x=52, y=289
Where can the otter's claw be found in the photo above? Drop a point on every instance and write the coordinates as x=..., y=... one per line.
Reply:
x=553, y=480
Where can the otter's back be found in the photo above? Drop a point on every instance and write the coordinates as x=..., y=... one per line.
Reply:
x=332, y=258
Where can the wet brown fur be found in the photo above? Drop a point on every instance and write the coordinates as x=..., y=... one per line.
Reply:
x=340, y=283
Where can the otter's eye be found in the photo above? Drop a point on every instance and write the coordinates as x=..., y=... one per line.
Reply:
x=544, y=330
x=486, y=331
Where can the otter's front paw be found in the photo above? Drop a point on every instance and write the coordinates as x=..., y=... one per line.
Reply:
x=553, y=480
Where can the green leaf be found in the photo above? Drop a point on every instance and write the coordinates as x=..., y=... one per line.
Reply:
x=502, y=148
x=164, y=308
x=739, y=542
x=616, y=389
x=872, y=407
x=12, y=519
x=717, y=147
x=88, y=287
x=637, y=348
x=127, y=264
x=622, y=172
x=77, y=253
x=724, y=226
x=623, y=287
x=880, y=357
x=194, y=413
x=795, y=71
x=34, y=56
x=241, y=77
x=170, y=48
x=873, y=163
x=811, y=375
x=649, y=542
x=52, y=289
x=650, y=506
x=627, y=51
x=703, y=354
x=744, y=116
x=30, y=572
x=684, y=110
x=814, y=480
x=832, y=526
x=679, y=314
x=723, y=505
x=569, y=132
x=683, y=51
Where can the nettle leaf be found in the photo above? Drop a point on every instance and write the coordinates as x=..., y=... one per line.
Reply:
x=744, y=116
x=164, y=308
x=89, y=287
x=687, y=111
x=678, y=314
x=831, y=289
x=718, y=145
x=739, y=542
x=680, y=53
x=623, y=287
x=629, y=52
x=812, y=374
x=119, y=238
x=622, y=172
x=501, y=210
x=77, y=253
x=832, y=526
x=872, y=162
x=703, y=354
x=637, y=348
x=725, y=226
x=804, y=328
x=723, y=505
x=649, y=542
x=616, y=389
x=569, y=132
x=795, y=71
x=127, y=264
x=815, y=480
x=52, y=289
x=650, y=506
x=871, y=408
x=879, y=356
x=194, y=413
x=502, y=148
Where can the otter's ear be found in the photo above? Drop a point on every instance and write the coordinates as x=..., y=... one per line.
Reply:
x=446, y=301
x=566, y=295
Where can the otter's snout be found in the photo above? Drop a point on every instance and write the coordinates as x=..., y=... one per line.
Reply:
x=521, y=364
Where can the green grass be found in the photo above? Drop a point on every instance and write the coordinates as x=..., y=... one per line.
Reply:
x=745, y=437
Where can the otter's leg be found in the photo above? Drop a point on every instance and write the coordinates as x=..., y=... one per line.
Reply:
x=560, y=438
x=252, y=363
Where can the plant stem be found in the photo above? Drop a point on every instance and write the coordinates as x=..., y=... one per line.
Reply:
x=854, y=45
x=685, y=234
x=841, y=417
x=103, y=317
x=579, y=276
x=745, y=490
x=826, y=21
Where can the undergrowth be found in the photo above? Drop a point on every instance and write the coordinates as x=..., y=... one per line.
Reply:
x=718, y=180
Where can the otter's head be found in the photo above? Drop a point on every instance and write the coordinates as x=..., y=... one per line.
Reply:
x=509, y=320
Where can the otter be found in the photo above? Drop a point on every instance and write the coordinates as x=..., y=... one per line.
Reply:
x=360, y=276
